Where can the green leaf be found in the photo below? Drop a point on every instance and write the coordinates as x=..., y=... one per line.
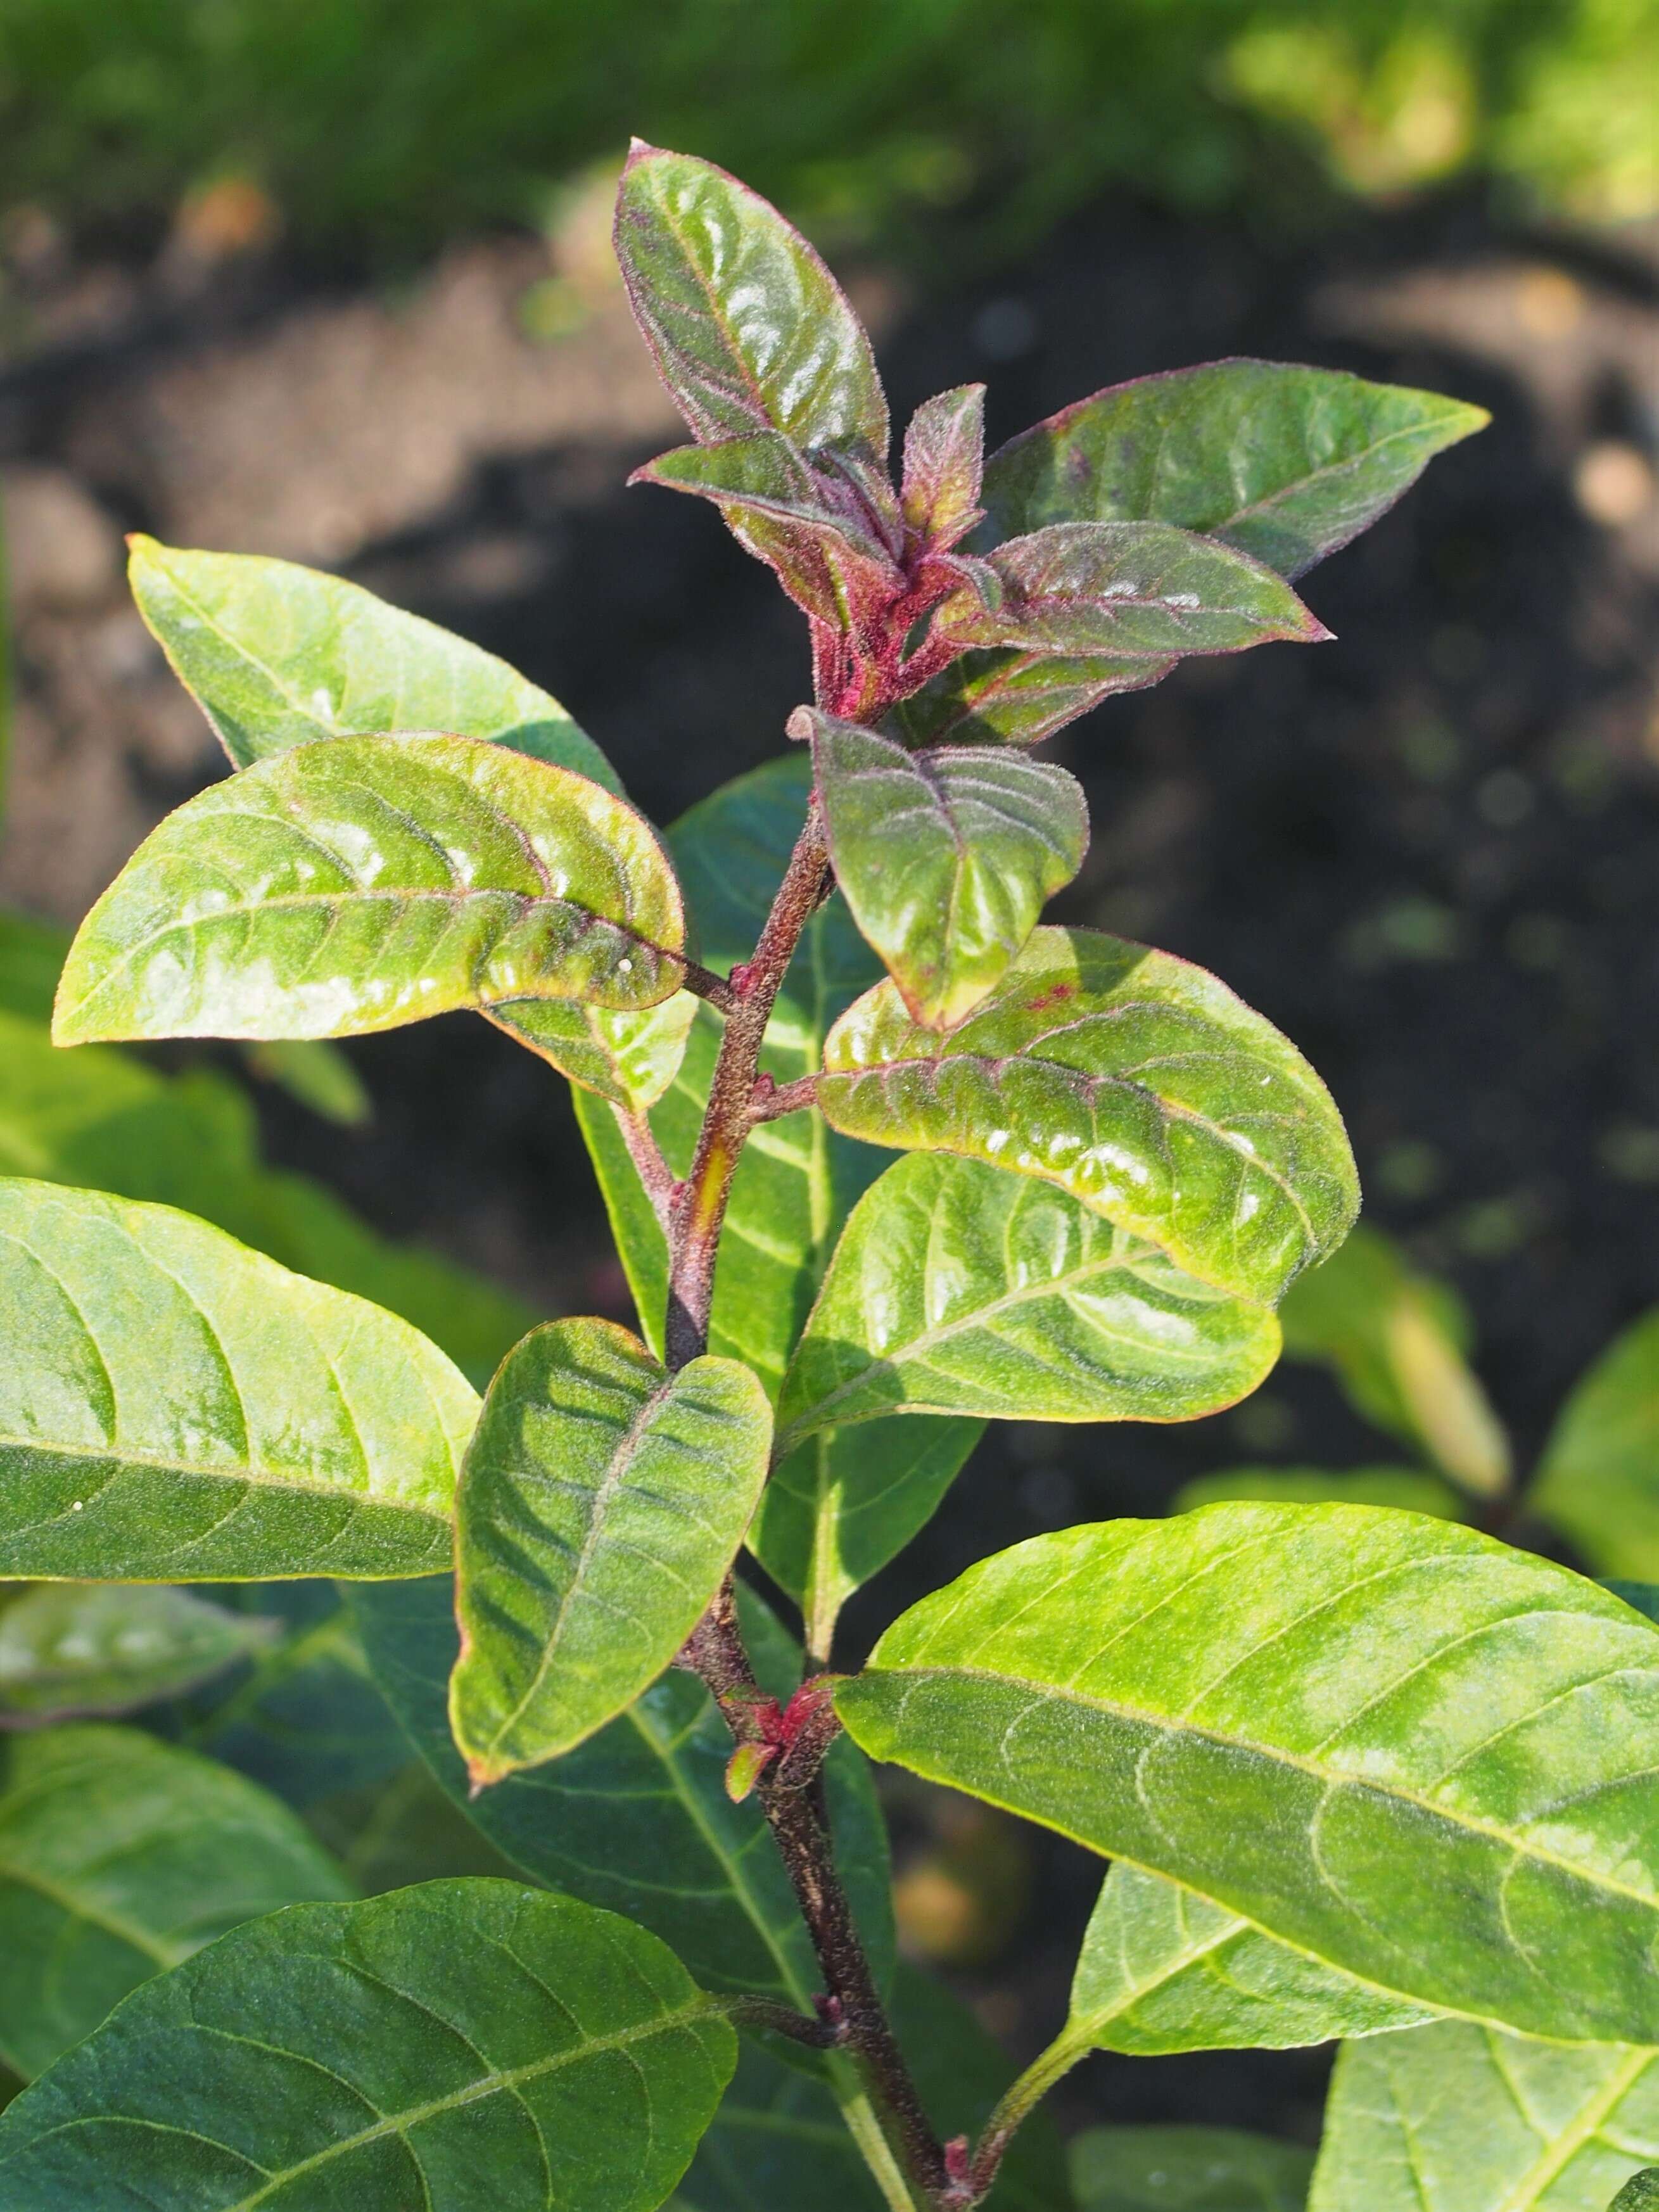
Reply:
x=1134, y=1081
x=100, y=1119
x=31, y=953
x=73, y=1647
x=955, y=1289
x=466, y=2044
x=316, y=1073
x=637, y=1817
x=1394, y=1744
x=797, y=520
x=749, y=329
x=1187, y=2170
x=119, y=1856
x=1134, y=589
x=1408, y=1489
x=277, y=656
x=175, y=1407
x=602, y=1502
x=1398, y=1342
x=1460, y=2118
x=337, y=888
x=944, y=459
x=1643, y=1597
x=1285, y=464
x=1163, y=1970
x=1016, y=698
x=847, y=1501
x=1598, y=1481
x=304, y=1719
x=946, y=858
x=1640, y=2194
x=629, y=1059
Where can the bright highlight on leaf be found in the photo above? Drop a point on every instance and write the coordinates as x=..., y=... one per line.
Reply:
x=174, y=1407
x=470, y=2044
x=601, y=1502
x=946, y=858
x=1405, y=1749
x=1138, y=1083
x=277, y=656
x=342, y=888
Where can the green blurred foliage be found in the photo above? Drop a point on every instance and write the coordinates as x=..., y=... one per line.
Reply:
x=389, y=123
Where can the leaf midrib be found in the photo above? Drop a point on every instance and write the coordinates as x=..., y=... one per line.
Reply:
x=123, y=1456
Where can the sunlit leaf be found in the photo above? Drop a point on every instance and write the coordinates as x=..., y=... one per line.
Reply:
x=944, y=457
x=1408, y=1489
x=277, y=655
x=341, y=888
x=1176, y=2169
x=1015, y=698
x=602, y=1502
x=118, y=1857
x=1139, y=589
x=1392, y=1743
x=749, y=331
x=1598, y=1481
x=1459, y=2118
x=68, y=1649
x=946, y=858
x=1287, y=463
x=175, y=1407
x=1137, y=1083
x=955, y=1289
x=637, y=1817
x=1397, y=1341
x=629, y=1059
x=1163, y=1970
x=471, y=2044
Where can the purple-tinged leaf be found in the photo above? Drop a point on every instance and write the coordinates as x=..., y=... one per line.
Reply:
x=1287, y=464
x=1130, y=589
x=1015, y=698
x=943, y=458
x=811, y=528
x=748, y=329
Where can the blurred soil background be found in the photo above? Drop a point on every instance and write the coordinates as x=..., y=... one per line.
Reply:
x=332, y=281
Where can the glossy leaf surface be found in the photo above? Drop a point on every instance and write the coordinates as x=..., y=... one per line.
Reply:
x=1598, y=1481
x=1136, y=589
x=1137, y=1083
x=602, y=1501
x=1397, y=1744
x=462, y=2046
x=1016, y=698
x=119, y=1856
x=100, y=1119
x=749, y=331
x=73, y=1647
x=342, y=888
x=1175, y=2169
x=946, y=858
x=277, y=655
x=1399, y=1343
x=175, y=1407
x=1640, y=2194
x=943, y=459
x=955, y=1289
x=1460, y=2118
x=1163, y=1970
x=778, y=2139
x=637, y=1818
x=629, y=1059
x=1408, y=1489
x=1287, y=464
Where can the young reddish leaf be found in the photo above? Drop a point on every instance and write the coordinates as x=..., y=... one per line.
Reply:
x=1287, y=464
x=814, y=528
x=749, y=329
x=944, y=456
x=1015, y=698
x=1130, y=588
